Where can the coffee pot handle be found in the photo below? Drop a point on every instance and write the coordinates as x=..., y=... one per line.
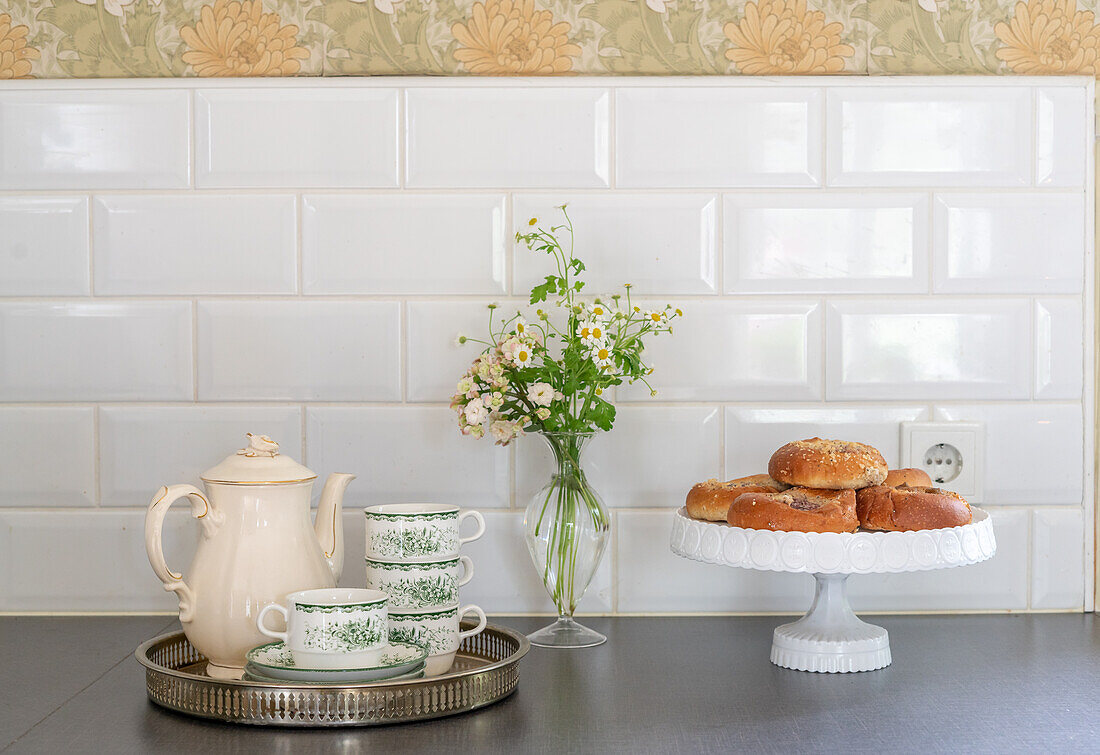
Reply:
x=154, y=546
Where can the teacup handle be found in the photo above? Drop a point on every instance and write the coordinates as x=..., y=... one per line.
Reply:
x=468, y=570
x=268, y=632
x=480, y=620
x=477, y=517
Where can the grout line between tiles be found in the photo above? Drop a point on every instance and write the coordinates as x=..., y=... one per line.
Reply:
x=1033, y=153
x=1030, y=555
x=97, y=458
x=823, y=358
x=746, y=190
x=195, y=350
x=720, y=222
x=403, y=347
x=299, y=253
x=930, y=243
x=192, y=157
x=612, y=138
x=90, y=199
x=615, y=563
x=305, y=445
x=510, y=243
x=734, y=300
x=823, y=113
x=412, y=81
x=513, y=500
x=1033, y=350
x=722, y=429
x=402, y=138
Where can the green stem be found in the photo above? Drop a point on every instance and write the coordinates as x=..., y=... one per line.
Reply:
x=573, y=499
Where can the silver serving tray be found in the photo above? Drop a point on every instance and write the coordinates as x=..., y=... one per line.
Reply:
x=486, y=670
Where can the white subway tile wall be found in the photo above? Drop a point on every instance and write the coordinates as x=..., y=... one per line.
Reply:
x=507, y=137
x=396, y=243
x=296, y=137
x=929, y=136
x=830, y=242
x=182, y=262
x=734, y=136
x=44, y=246
x=659, y=243
x=194, y=244
x=1008, y=243
x=926, y=349
x=89, y=138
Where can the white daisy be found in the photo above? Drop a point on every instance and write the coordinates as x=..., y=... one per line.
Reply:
x=522, y=356
x=601, y=355
x=599, y=312
x=656, y=316
x=591, y=332
x=520, y=327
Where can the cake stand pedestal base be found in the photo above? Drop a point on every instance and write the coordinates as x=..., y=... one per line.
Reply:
x=830, y=638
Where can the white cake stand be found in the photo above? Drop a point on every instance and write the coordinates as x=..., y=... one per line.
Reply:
x=830, y=637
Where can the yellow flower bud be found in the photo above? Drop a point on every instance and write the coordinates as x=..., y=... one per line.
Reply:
x=532, y=221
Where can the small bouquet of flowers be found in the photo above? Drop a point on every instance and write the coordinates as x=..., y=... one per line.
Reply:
x=550, y=376
x=547, y=376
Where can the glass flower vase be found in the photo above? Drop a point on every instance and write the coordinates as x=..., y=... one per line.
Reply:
x=567, y=528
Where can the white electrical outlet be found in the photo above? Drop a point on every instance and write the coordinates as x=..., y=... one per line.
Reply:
x=950, y=452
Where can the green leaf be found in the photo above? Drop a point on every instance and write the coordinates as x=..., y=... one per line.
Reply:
x=602, y=414
x=541, y=291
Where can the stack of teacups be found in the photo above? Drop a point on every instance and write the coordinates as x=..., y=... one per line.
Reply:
x=412, y=556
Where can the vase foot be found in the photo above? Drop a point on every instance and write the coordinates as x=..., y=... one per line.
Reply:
x=566, y=633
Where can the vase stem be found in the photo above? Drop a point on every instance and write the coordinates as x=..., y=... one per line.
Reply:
x=567, y=528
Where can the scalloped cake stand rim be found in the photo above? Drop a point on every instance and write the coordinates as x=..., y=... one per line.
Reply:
x=834, y=553
x=830, y=638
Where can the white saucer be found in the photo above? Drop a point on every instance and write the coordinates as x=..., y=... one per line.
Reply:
x=274, y=660
x=256, y=674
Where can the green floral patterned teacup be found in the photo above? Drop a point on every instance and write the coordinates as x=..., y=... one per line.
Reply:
x=417, y=531
x=438, y=630
x=332, y=628
x=422, y=585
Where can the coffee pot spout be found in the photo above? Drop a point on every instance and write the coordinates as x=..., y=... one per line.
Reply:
x=329, y=524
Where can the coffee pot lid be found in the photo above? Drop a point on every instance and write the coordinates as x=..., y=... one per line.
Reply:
x=258, y=464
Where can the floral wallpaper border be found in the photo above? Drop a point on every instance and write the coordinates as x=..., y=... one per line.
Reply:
x=171, y=38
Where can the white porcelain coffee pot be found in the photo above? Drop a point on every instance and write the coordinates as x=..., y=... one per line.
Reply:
x=257, y=546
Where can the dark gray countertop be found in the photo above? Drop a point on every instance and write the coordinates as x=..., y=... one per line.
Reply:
x=957, y=684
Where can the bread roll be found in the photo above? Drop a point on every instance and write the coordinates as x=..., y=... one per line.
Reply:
x=914, y=478
x=711, y=500
x=829, y=464
x=905, y=508
x=797, y=510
